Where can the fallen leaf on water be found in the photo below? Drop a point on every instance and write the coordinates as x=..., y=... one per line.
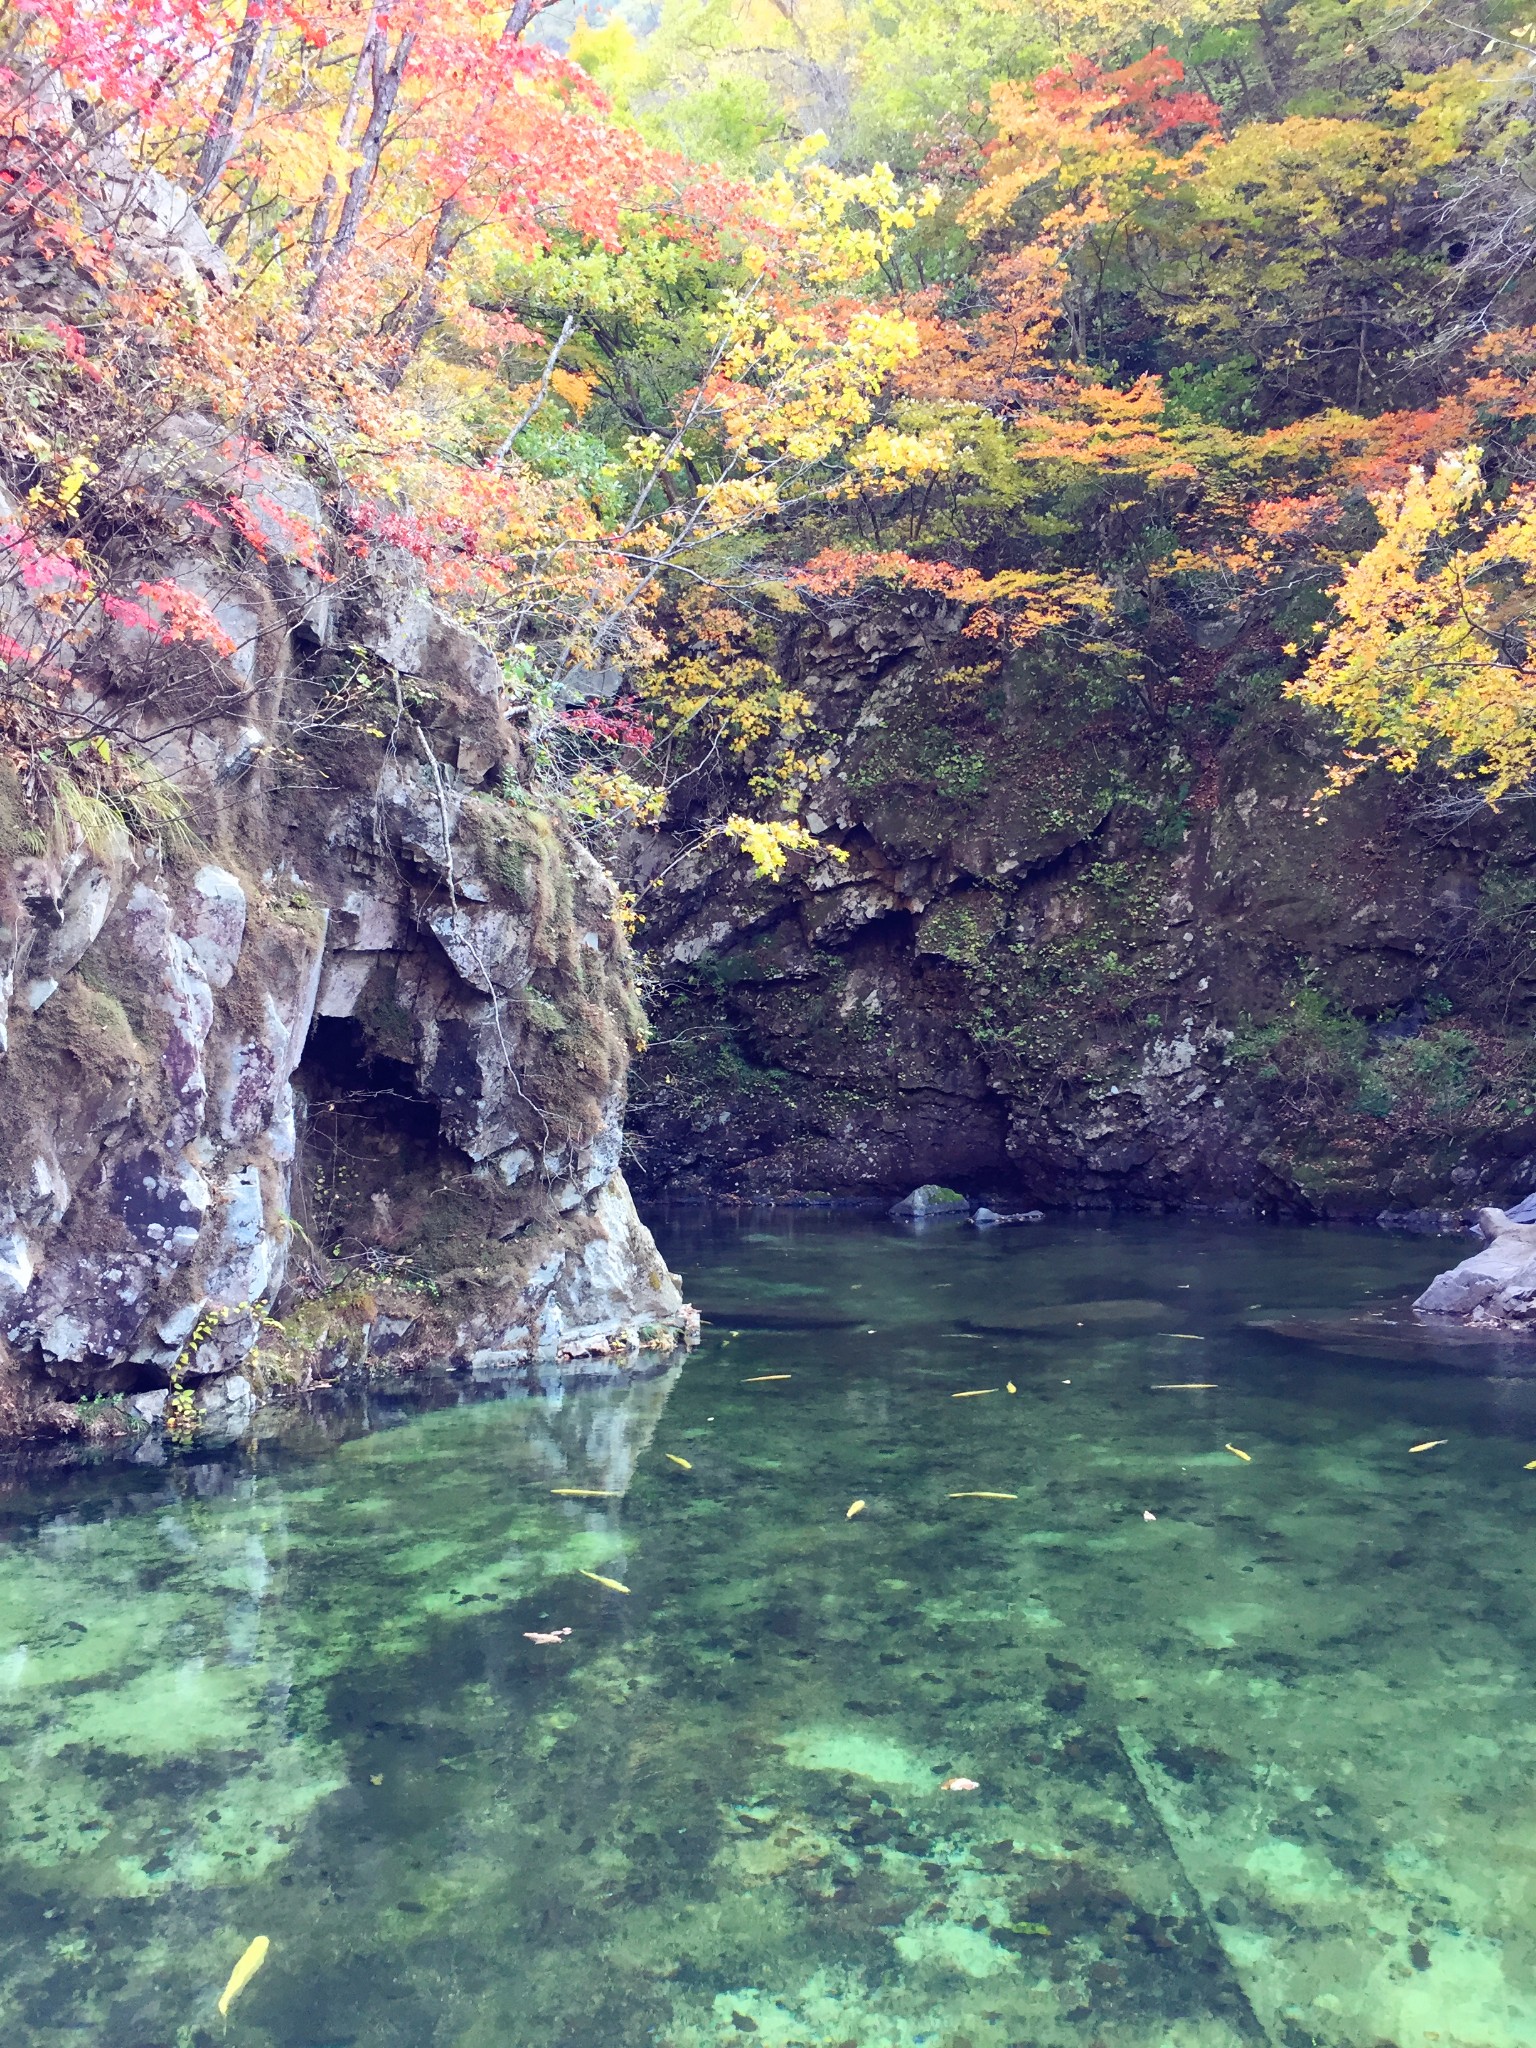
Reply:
x=857, y=1509
x=1183, y=1386
x=586, y=1492
x=1433, y=1445
x=598, y=1580
x=759, y=1376
x=960, y=1785
x=1010, y=1388
x=550, y=1635
x=243, y=1972
x=1532, y=1466
x=673, y=1459
x=983, y=1496
x=972, y=1392
x=1027, y=1927
x=1237, y=1453
x=378, y=1780
x=1147, y=1515
x=1188, y=1336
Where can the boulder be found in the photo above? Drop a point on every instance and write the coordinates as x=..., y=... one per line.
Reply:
x=1495, y=1289
x=929, y=1201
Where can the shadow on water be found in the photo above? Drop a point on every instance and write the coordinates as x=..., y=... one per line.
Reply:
x=1251, y=1737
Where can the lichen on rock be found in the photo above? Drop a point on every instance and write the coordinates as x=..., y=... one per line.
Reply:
x=365, y=1011
x=1078, y=957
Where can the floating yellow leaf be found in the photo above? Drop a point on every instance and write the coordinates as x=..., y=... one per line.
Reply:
x=1237, y=1453
x=243, y=1972
x=378, y=1780
x=586, y=1493
x=1010, y=1388
x=673, y=1459
x=1186, y=1336
x=983, y=1496
x=857, y=1509
x=1433, y=1445
x=1532, y=1466
x=758, y=1377
x=597, y=1579
x=973, y=1393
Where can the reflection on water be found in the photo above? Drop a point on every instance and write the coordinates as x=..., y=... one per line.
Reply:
x=1258, y=1770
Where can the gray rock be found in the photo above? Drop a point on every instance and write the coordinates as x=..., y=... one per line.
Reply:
x=989, y=1219
x=1425, y=1222
x=1495, y=1289
x=1523, y=1211
x=930, y=1201
x=153, y=1117
x=226, y=1404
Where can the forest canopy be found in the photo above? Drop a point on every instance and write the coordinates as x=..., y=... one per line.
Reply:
x=1114, y=328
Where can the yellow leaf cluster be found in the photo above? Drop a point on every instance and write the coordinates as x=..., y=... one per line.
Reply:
x=1428, y=655
x=768, y=843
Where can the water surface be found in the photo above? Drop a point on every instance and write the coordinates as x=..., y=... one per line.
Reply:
x=1258, y=1770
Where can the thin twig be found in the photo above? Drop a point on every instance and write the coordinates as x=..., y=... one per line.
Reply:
x=539, y=395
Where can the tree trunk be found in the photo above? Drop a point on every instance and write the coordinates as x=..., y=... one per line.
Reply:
x=320, y=227
x=446, y=237
x=219, y=140
x=449, y=233
x=387, y=73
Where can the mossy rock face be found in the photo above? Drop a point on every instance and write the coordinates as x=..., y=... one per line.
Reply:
x=378, y=1013
x=1078, y=955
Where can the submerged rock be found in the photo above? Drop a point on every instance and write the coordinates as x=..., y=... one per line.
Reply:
x=1495, y=1289
x=989, y=1219
x=929, y=1201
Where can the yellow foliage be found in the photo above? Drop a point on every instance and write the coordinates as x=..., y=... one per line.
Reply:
x=575, y=389
x=1428, y=657
x=768, y=843
x=612, y=794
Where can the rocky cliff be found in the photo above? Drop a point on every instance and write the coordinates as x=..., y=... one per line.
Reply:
x=336, y=1032
x=1091, y=945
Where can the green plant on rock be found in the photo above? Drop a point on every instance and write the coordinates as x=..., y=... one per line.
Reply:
x=1312, y=1047
x=181, y=1413
x=1435, y=1075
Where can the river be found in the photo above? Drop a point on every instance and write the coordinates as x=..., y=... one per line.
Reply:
x=1159, y=1695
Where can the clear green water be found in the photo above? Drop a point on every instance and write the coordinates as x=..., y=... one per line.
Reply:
x=1258, y=1771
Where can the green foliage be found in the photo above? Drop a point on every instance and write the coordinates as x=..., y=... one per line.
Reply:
x=1221, y=394
x=1314, y=1047
x=1435, y=1075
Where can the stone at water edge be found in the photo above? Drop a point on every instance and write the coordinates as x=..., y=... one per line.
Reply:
x=989, y=1219
x=929, y=1201
x=1524, y=1211
x=1496, y=1287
